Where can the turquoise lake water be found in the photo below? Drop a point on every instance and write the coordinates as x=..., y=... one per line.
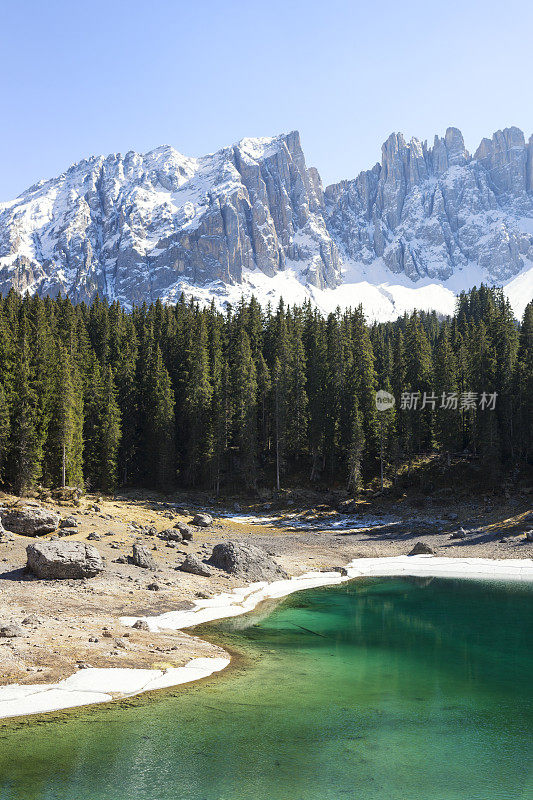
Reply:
x=381, y=689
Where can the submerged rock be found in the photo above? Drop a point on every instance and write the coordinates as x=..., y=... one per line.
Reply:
x=63, y=560
x=30, y=520
x=422, y=549
x=253, y=562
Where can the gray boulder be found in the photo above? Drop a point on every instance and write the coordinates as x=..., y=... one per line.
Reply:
x=32, y=619
x=459, y=534
x=347, y=507
x=170, y=535
x=529, y=536
x=422, y=549
x=30, y=520
x=193, y=565
x=202, y=520
x=5, y=536
x=63, y=560
x=142, y=557
x=67, y=532
x=248, y=560
x=69, y=522
x=10, y=631
x=185, y=531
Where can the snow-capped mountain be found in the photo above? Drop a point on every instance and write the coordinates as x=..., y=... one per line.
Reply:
x=253, y=218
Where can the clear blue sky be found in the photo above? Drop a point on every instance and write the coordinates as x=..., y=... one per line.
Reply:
x=82, y=78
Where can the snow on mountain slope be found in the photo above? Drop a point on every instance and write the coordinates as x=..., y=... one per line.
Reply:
x=382, y=302
x=131, y=227
x=427, y=212
x=411, y=232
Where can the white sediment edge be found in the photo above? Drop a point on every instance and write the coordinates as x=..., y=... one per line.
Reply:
x=91, y=685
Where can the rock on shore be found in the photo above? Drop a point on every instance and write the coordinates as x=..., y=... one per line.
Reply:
x=202, y=520
x=248, y=560
x=194, y=566
x=422, y=549
x=63, y=560
x=142, y=557
x=30, y=520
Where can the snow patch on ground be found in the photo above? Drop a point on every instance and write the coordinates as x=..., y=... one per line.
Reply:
x=336, y=522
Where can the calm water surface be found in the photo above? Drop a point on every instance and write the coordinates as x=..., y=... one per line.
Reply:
x=379, y=689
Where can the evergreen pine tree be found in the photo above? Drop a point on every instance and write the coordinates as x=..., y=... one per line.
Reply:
x=355, y=448
x=110, y=434
x=447, y=416
x=4, y=430
x=197, y=399
x=64, y=448
x=297, y=422
x=24, y=460
x=418, y=373
x=245, y=407
x=159, y=444
x=524, y=388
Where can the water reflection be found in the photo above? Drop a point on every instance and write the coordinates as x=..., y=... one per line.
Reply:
x=373, y=689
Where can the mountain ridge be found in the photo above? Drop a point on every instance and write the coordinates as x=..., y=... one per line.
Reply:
x=420, y=225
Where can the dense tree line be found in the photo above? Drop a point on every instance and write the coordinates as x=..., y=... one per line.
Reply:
x=184, y=395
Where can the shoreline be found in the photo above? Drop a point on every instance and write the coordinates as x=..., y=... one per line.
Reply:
x=92, y=686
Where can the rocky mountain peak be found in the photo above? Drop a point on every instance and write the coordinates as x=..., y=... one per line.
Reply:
x=142, y=226
x=449, y=151
x=428, y=212
x=506, y=159
x=253, y=216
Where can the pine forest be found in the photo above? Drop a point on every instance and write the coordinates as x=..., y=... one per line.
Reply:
x=187, y=396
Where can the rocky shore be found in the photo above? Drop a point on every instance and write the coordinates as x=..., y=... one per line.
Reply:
x=139, y=557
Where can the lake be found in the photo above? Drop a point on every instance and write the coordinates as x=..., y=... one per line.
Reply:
x=376, y=689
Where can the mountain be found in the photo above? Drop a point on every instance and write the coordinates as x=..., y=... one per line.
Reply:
x=417, y=227
x=428, y=212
